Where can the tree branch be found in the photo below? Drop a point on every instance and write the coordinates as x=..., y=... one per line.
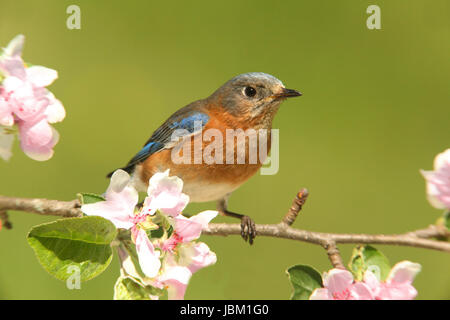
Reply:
x=42, y=206
x=321, y=238
x=422, y=238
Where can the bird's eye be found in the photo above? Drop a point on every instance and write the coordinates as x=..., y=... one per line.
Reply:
x=249, y=91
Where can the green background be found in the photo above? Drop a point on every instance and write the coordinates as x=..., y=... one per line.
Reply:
x=375, y=110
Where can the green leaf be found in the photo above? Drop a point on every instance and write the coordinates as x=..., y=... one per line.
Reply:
x=86, y=198
x=127, y=288
x=304, y=280
x=66, y=244
x=368, y=258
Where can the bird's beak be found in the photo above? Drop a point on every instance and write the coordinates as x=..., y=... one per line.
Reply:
x=288, y=93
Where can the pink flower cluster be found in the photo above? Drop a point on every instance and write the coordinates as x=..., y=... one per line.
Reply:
x=171, y=260
x=438, y=181
x=25, y=102
x=340, y=285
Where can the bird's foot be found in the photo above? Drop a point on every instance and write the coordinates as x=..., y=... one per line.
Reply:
x=248, y=229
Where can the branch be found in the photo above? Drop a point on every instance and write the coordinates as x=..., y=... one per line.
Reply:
x=42, y=206
x=422, y=238
x=321, y=238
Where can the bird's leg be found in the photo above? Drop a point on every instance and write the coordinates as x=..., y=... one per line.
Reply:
x=248, y=228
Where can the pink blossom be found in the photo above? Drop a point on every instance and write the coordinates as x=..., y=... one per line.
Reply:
x=37, y=139
x=11, y=62
x=175, y=278
x=178, y=269
x=181, y=257
x=148, y=256
x=398, y=285
x=339, y=285
x=119, y=208
x=188, y=229
x=121, y=200
x=165, y=194
x=438, y=181
x=25, y=101
x=196, y=256
x=184, y=257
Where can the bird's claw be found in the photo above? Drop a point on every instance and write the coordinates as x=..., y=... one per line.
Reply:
x=248, y=229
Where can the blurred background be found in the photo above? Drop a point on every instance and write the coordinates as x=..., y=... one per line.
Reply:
x=375, y=110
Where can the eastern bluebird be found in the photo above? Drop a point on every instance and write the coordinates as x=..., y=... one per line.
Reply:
x=247, y=101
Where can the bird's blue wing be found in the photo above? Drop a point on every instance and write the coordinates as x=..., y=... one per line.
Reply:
x=188, y=120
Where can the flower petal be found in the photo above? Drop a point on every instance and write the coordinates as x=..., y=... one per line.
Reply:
x=164, y=193
x=55, y=111
x=398, y=292
x=6, y=116
x=371, y=280
x=187, y=229
x=121, y=200
x=6, y=141
x=404, y=272
x=148, y=256
x=126, y=263
x=432, y=190
x=321, y=294
x=177, y=279
x=442, y=160
x=13, y=67
x=361, y=291
x=162, y=180
x=15, y=46
x=37, y=140
x=338, y=280
x=41, y=76
x=119, y=216
x=204, y=217
x=191, y=229
x=201, y=257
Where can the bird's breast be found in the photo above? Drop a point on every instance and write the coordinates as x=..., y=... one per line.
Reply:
x=212, y=163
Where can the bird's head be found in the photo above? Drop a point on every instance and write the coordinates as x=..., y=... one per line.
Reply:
x=254, y=95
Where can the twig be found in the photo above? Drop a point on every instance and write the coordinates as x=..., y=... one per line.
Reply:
x=297, y=205
x=334, y=255
x=4, y=220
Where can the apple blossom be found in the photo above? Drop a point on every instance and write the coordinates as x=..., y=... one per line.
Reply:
x=168, y=262
x=184, y=257
x=398, y=285
x=26, y=102
x=178, y=268
x=119, y=208
x=164, y=193
x=339, y=285
x=438, y=181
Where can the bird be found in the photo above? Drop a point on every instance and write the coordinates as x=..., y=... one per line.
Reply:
x=247, y=101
